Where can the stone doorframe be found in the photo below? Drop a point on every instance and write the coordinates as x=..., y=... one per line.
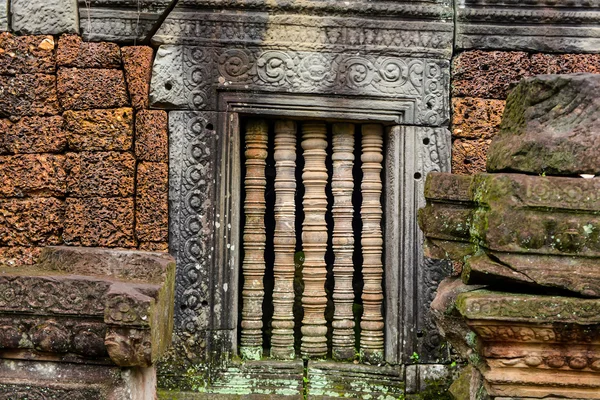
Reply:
x=210, y=70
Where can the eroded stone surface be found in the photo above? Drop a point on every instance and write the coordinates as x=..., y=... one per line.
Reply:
x=31, y=222
x=99, y=222
x=151, y=136
x=152, y=207
x=74, y=52
x=104, y=174
x=28, y=94
x=81, y=89
x=4, y=15
x=100, y=129
x=469, y=156
x=51, y=17
x=19, y=255
x=32, y=174
x=26, y=54
x=137, y=61
x=550, y=126
x=34, y=135
x=474, y=118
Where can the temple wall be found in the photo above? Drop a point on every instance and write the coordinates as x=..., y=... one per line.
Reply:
x=83, y=161
x=481, y=81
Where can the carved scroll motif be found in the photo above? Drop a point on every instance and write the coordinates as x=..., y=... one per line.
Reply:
x=371, y=341
x=253, y=266
x=282, y=341
x=314, y=240
x=342, y=185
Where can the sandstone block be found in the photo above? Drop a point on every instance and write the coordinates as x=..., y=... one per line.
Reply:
x=550, y=126
x=26, y=54
x=51, y=17
x=488, y=74
x=28, y=94
x=137, y=61
x=74, y=52
x=31, y=222
x=476, y=118
x=100, y=129
x=99, y=222
x=83, y=89
x=152, y=206
x=105, y=174
x=32, y=174
x=19, y=255
x=151, y=136
x=469, y=156
x=35, y=135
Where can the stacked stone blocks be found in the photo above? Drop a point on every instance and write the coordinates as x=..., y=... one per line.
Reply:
x=480, y=84
x=82, y=159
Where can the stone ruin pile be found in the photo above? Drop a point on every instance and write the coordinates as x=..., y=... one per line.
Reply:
x=526, y=311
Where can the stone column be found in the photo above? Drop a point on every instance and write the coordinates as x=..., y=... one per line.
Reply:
x=282, y=341
x=342, y=185
x=314, y=240
x=371, y=341
x=253, y=266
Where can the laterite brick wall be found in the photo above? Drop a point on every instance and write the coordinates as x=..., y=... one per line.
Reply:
x=481, y=80
x=83, y=161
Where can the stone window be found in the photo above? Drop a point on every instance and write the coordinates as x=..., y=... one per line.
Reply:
x=312, y=240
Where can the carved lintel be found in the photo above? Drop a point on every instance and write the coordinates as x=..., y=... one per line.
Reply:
x=282, y=341
x=371, y=341
x=314, y=240
x=253, y=265
x=342, y=185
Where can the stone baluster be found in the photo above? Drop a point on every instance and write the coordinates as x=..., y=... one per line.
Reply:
x=371, y=341
x=253, y=266
x=314, y=240
x=282, y=341
x=342, y=185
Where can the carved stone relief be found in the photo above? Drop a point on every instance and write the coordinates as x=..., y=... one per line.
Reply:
x=539, y=25
x=120, y=20
x=3, y=15
x=49, y=17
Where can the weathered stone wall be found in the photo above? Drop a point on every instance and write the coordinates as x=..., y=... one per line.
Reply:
x=481, y=80
x=82, y=160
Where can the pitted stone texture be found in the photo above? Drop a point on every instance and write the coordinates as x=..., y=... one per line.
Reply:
x=104, y=174
x=542, y=64
x=154, y=246
x=488, y=74
x=99, y=222
x=19, y=255
x=550, y=126
x=26, y=54
x=553, y=27
x=474, y=118
x=31, y=222
x=152, y=207
x=33, y=135
x=469, y=156
x=110, y=129
x=137, y=61
x=32, y=174
x=151, y=136
x=74, y=52
x=28, y=94
x=51, y=17
x=82, y=89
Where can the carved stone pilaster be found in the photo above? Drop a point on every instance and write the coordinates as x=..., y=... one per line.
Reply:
x=371, y=340
x=282, y=341
x=342, y=186
x=255, y=237
x=314, y=240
